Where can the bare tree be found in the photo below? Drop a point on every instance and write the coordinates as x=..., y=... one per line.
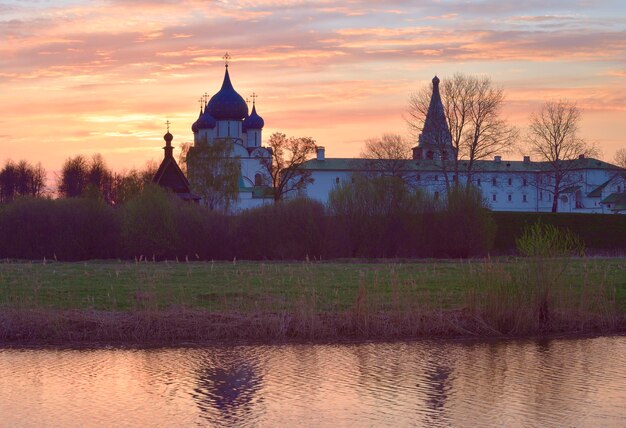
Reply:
x=283, y=167
x=473, y=109
x=620, y=158
x=553, y=137
x=388, y=154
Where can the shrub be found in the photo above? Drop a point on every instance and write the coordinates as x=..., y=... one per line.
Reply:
x=377, y=215
x=149, y=226
x=65, y=229
x=466, y=227
x=548, y=250
x=292, y=229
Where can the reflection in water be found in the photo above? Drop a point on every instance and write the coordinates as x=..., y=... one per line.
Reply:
x=516, y=383
x=227, y=385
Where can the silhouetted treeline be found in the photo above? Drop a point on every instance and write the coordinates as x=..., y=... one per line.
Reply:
x=362, y=220
x=21, y=179
x=91, y=177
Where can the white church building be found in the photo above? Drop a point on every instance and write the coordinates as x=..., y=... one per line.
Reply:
x=593, y=186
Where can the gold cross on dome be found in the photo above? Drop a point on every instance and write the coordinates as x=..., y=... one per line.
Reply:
x=168, y=125
x=254, y=96
x=226, y=58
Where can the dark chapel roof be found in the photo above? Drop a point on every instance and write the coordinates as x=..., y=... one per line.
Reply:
x=169, y=174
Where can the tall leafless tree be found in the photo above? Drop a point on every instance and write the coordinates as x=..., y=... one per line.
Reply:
x=553, y=136
x=473, y=108
x=388, y=154
x=283, y=167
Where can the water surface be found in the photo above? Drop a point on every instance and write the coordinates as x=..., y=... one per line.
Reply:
x=516, y=383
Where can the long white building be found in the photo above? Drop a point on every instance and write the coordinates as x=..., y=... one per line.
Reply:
x=592, y=186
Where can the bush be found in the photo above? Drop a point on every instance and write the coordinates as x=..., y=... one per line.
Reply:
x=598, y=231
x=65, y=229
x=377, y=216
x=465, y=227
x=293, y=229
x=149, y=226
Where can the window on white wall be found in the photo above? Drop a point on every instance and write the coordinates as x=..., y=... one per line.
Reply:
x=524, y=199
x=337, y=180
x=510, y=198
x=494, y=197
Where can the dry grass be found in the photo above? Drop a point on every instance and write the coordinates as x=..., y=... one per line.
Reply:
x=199, y=302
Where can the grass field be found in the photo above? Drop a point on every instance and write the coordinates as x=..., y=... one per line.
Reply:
x=244, y=286
x=500, y=295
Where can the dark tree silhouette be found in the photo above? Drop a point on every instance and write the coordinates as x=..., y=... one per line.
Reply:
x=80, y=176
x=283, y=167
x=553, y=137
x=21, y=179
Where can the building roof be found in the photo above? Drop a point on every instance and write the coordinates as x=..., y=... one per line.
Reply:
x=436, y=130
x=170, y=176
x=360, y=164
x=616, y=198
x=597, y=192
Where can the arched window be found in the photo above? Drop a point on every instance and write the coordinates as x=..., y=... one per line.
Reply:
x=258, y=179
x=510, y=181
x=337, y=180
x=429, y=155
x=494, y=181
x=478, y=182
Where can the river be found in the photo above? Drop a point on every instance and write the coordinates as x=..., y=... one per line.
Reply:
x=573, y=382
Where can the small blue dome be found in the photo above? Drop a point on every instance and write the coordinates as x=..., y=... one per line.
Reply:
x=194, y=127
x=206, y=121
x=254, y=121
x=227, y=104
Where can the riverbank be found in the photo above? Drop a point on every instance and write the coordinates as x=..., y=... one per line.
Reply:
x=147, y=303
x=173, y=328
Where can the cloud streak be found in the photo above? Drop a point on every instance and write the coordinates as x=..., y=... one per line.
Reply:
x=106, y=74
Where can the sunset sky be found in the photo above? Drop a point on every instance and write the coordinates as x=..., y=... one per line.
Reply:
x=84, y=77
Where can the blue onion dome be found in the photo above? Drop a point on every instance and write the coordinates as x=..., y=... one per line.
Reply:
x=194, y=127
x=254, y=121
x=206, y=121
x=227, y=104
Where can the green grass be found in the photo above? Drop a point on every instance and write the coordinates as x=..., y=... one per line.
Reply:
x=257, y=286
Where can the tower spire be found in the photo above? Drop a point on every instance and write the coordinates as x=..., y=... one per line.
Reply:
x=168, y=149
